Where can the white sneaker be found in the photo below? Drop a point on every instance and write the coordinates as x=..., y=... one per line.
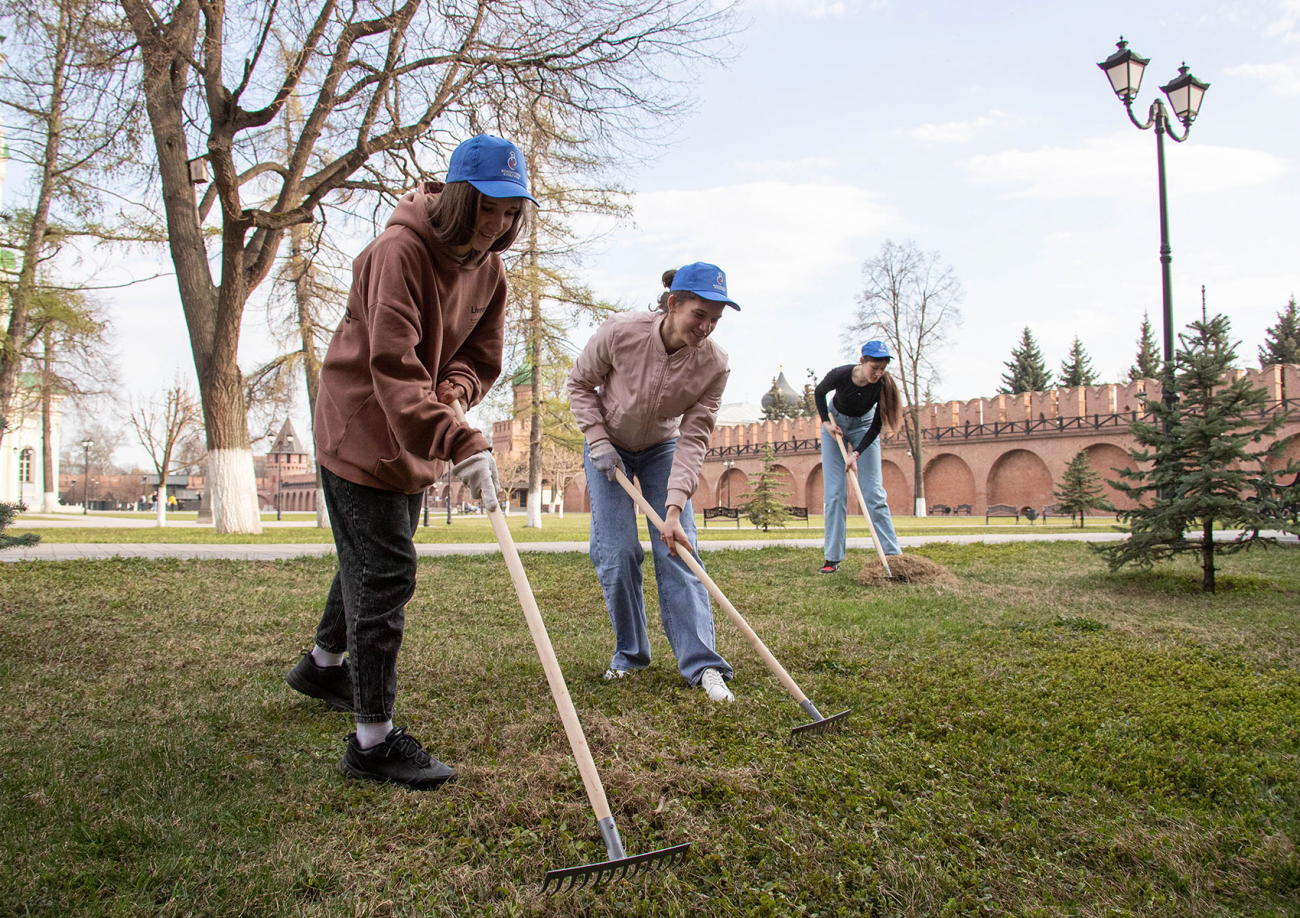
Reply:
x=715, y=687
x=613, y=675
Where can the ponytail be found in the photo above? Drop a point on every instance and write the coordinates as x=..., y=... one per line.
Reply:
x=891, y=405
x=662, y=303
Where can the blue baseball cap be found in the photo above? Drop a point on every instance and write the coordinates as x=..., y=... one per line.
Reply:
x=492, y=165
x=876, y=350
x=705, y=281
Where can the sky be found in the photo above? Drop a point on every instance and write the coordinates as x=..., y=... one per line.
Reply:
x=983, y=132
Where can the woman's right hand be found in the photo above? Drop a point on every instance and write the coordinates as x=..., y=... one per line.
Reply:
x=832, y=428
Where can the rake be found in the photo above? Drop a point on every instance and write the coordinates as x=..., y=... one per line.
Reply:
x=819, y=724
x=619, y=865
x=866, y=514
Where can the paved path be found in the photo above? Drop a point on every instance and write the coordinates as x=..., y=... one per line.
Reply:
x=269, y=552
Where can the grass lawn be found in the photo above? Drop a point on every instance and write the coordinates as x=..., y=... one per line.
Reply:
x=574, y=527
x=1045, y=739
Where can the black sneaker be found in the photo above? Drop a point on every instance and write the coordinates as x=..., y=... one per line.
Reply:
x=399, y=758
x=829, y=567
x=331, y=684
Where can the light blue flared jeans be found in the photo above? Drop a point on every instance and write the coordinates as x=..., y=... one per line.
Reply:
x=835, y=484
x=617, y=554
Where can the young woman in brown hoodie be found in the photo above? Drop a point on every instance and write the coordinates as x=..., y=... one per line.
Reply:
x=424, y=327
x=645, y=391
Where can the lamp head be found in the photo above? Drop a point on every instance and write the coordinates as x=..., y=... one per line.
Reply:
x=1185, y=93
x=1124, y=69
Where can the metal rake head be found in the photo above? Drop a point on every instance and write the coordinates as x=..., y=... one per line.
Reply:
x=825, y=725
x=596, y=875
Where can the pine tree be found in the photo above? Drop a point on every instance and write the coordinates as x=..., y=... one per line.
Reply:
x=1026, y=370
x=1077, y=369
x=1147, y=365
x=1200, y=460
x=765, y=507
x=776, y=406
x=1282, y=341
x=7, y=514
x=1081, y=489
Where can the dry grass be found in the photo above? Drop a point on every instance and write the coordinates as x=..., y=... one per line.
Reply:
x=905, y=568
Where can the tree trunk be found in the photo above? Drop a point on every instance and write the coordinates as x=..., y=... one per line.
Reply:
x=300, y=271
x=535, y=354
x=20, y=301
x=913, y=427
x=50, y=500
x=1207, y=555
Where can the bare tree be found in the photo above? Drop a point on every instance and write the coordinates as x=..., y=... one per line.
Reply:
x=72, y=120
x=165, y=427
x=376, y=77
x=909, y=299
x=546, y=300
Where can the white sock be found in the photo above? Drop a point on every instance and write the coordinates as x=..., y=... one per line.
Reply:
x=325, y=658
x=372, y=734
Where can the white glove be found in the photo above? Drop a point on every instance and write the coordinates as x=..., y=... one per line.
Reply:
x=479, y=474
x=605, y=458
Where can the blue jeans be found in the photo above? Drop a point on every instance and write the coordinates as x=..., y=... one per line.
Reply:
x=617, y=554
x=835, y=484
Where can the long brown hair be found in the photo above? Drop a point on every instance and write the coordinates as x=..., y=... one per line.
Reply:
x=456, y=214
x=891, y=404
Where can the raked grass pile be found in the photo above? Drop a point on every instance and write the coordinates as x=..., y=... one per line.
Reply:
x=1041, y=738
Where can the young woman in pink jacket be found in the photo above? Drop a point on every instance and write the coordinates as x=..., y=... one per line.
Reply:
x=645, y=391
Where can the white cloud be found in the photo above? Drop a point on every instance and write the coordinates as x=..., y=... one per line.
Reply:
x=1287, y=24
x=782, y=169
x=1282, y=77
x=1120, y=165
x=956, y=131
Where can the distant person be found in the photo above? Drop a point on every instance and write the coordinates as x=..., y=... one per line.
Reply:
x=866, y=398
x=645, y=391
x=424, y=327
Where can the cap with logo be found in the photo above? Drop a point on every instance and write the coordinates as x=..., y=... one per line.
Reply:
x=876, y=350
x=705, y=281
x=492, y=165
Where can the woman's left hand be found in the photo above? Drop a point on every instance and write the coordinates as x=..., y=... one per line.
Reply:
x=852, y=463
x=673, y=535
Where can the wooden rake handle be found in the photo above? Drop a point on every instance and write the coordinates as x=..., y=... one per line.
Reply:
x=736, y=618
x=551, y=665
x=862, y=502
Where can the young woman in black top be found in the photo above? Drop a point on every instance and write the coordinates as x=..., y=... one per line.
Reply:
x=866, y=398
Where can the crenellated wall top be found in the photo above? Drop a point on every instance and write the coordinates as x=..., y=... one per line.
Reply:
x=1278, y=380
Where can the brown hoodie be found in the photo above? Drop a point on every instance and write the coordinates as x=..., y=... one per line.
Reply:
x=417, y=315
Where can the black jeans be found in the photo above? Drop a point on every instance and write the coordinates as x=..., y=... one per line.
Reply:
x=365, y=611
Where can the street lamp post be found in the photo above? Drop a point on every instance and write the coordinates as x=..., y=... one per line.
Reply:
x=86, y=444
x=448, y=493
x=1124, y=69
x=729, y=465
x=424, y=505
x=279, y=490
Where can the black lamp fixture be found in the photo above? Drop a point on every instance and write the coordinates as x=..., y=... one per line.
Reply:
x=1124, y=69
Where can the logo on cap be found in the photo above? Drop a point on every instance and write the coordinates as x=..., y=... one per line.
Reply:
x=511, y=161
x=721, y=283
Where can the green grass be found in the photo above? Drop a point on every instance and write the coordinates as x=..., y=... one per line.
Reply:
x=1045, y=739
x=574, y=527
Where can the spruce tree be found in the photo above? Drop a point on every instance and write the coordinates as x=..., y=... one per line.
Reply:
x=1026, y=370
x=1201, y=462
x=1081, y=488
x=7, y=514
x=765, y=506
x=1077, y=369
x=1147, y=365
x=776, y=406
x=1282, y=341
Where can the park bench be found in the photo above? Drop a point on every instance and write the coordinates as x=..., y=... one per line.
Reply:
x=940, y=509
x=1054, y=510
x=799, y=513
x=962, y=509
x=1001, y=510
x=1288, y=500
x=727, y=513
